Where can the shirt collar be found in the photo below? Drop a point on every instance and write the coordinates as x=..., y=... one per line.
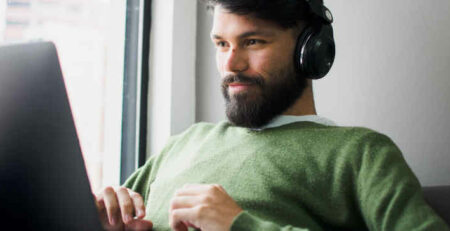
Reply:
x=284, y=119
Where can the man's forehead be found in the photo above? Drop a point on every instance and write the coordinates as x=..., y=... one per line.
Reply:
x=231, y=23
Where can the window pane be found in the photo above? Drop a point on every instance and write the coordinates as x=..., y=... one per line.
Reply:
x=89, y=36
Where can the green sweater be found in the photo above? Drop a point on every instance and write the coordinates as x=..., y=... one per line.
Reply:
x=299, y=176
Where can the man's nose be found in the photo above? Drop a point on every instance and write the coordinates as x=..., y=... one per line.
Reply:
x=236, y=61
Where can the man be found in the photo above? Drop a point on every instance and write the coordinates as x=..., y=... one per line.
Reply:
x=275, y=165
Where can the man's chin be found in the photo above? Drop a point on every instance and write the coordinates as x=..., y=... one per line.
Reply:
x=246, y=115
x=245, y=98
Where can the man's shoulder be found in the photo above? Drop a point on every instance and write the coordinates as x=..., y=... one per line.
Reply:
x=202, y=128
x=358, y=134
x=358, y=141
x=344, y=132
x=206, y=126
x=336, y=137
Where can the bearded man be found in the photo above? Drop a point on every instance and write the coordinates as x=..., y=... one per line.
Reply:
x=275, y=164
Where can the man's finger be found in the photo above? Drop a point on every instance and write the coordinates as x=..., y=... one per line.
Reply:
x=139, y=206
x=176, y=220
x=126, y=204
x=181, y=226
x=185, y=216
x=99, y=202
x=178, y=202
x=112, y=206
x=139, y=224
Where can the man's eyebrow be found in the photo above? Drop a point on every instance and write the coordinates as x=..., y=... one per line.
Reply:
x=247, y=34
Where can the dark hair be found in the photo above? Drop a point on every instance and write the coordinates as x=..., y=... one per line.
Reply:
x=286, y=13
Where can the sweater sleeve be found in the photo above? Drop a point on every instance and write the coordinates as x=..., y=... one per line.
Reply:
x=140, y=181
x=249, y=222
x=389, y=194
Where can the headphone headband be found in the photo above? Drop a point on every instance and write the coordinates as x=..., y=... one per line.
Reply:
x=320, y=10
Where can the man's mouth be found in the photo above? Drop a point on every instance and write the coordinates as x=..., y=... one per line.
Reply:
x=236, y=87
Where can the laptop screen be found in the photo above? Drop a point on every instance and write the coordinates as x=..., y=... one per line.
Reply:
x=43, y=180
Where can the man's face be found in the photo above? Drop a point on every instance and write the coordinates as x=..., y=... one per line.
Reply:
x=255, y=60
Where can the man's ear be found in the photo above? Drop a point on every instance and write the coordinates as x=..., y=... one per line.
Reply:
x=298, y=28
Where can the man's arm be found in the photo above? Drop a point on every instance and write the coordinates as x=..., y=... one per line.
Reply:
x=210, y=208
x=247, y=221
x=140, y=181
x=389, y=194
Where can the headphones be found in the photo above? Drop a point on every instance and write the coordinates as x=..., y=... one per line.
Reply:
x=315, y=49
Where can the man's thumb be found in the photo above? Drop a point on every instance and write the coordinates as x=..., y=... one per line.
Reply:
x=139, y=224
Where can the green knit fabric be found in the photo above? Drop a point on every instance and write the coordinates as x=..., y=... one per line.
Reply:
x=299, y=176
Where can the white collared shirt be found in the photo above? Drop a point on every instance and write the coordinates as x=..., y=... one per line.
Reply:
x=284, y=119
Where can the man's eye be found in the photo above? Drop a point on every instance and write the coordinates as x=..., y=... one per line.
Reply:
x=221, y=44
x=253, y=42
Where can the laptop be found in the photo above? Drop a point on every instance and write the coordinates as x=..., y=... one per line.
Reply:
x=43, y=180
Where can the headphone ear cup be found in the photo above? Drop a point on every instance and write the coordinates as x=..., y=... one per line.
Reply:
x=315, y=51
x=299, y=55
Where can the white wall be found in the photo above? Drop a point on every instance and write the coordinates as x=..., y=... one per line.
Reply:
x=172, y=70
x=210, y=103
x=392, y=74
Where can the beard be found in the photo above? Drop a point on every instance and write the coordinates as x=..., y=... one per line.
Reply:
x=254, y=108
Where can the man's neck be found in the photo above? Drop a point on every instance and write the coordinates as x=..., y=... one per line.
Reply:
x=303, y=105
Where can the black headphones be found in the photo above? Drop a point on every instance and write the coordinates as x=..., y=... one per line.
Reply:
x=315, y=49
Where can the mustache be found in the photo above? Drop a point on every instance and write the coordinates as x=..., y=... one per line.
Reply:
x=240, y=78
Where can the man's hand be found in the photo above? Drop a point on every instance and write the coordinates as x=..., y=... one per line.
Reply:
x=121, y=209
x=205, y=207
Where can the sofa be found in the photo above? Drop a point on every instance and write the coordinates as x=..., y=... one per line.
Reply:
x=439, y=199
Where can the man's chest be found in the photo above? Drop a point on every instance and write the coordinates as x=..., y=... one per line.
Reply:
x=261, y=178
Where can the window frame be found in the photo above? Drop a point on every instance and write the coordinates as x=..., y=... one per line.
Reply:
x=135, y=91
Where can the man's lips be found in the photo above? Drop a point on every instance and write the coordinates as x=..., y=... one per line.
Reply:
x=238, y=84
x=234, y=87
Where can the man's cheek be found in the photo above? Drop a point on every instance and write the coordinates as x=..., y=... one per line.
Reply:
x=220, y=63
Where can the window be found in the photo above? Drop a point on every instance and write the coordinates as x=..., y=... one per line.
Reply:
x=89, y=36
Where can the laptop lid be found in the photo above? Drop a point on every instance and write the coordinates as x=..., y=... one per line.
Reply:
x=43, y=180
